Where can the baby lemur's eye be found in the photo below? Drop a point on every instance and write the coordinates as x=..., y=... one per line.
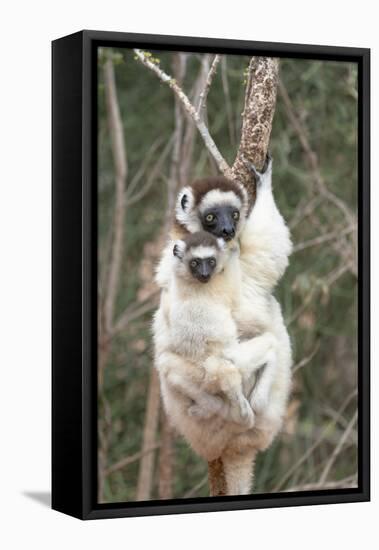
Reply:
x=212, y=262
x=209, y=217
x=193, y=263
x=236, y=215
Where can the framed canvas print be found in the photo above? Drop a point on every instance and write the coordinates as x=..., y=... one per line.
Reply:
x=210, y=275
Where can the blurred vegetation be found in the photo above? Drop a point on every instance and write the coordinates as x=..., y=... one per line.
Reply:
x=318, y=292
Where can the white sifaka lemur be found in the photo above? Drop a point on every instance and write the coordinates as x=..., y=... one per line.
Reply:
x=203, y=292
x=219, y=206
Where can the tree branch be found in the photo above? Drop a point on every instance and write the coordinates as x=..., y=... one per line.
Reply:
x=120, y=163
x=190, y=109
x=316, y=444
x=307, y=359
x=346, y=483
x=337, y=234
x=208, y=82
x=257, y=117
x=338, y=449
x=145, y=474
x=188, y=141
x=130, y=459
x=311, y=157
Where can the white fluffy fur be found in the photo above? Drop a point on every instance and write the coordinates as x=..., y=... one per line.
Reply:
x=219, y=197
x=187, y=217
x=264, y=249
x=203, y=336
x=202, y=251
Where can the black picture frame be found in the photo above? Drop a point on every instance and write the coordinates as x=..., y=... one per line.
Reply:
x=74, y=332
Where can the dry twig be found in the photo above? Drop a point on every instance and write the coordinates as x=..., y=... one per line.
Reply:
x=130, y=459
x=307, y=359
x=190, y=109
x=120, y=163
x=204, y=94
x=338, y=449
x=316, y=444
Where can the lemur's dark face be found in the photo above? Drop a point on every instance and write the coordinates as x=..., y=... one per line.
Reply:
x=200, y=256
x=221, y=221
x=202, y=269
x=216, y=205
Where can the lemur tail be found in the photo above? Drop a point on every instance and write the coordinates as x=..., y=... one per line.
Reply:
x=216, y=478
x=231, y=474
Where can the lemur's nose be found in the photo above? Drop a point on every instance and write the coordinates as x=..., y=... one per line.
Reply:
x=228, y=232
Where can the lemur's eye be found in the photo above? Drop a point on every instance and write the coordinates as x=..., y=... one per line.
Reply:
x=236, y=215
x=209, y=218
x=212, y=262
x=193, y=263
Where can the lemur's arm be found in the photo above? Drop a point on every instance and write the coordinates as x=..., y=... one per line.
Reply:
x=176, y=372
x=178, y=375
x=265, y=240
x=256, y=354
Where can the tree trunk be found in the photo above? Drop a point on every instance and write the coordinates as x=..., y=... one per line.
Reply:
x=145, y=475
x=257, y=117
x=166, y=462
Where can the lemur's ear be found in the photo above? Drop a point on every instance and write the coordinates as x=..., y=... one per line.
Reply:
x=178, y=250
x=184, y=204
x=184, y=201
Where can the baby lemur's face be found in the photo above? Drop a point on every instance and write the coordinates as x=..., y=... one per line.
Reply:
x=199, y=257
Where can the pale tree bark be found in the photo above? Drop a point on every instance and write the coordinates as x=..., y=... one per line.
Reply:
x=257, y=117
x=111, y=287
x=120, y=165
x=179, y=64
x=166, y=459
x=146, y=469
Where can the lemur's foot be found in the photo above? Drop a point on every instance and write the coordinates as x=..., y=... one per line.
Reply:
x=266, y=170
x=242, y=413
x=199, y=412
x=268, y=163
x=206, y=408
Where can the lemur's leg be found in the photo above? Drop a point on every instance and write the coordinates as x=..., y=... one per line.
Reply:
x=264, y=202
x=259, y=353
x=240, y=409
x=235, y=409
x=176, y=372
x=259, y=397
x=252, y=354
x=208, y=404
x=205, y=404
x=265, y=240
x=221, y=376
